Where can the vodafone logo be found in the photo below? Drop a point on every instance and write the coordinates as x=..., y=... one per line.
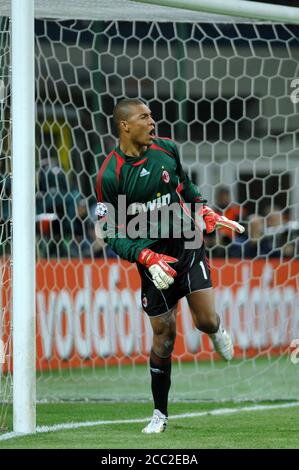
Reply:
x=100, y=315
x=165, y=176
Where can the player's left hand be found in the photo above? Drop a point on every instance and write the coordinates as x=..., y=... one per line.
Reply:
x=159, y=266
x=213, y=220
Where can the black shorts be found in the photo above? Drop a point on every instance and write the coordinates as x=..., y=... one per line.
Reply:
x=193, y=274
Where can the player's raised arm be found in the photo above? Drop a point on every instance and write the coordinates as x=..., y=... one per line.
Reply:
x=191, y=194
x=190, y=191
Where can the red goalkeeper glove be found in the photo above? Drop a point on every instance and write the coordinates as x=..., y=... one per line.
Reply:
x=163, y=275
x=213, y=220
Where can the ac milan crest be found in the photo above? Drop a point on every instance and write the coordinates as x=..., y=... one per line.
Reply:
x=165, y=176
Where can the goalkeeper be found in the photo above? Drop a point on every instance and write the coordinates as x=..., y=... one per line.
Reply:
x=146, y=170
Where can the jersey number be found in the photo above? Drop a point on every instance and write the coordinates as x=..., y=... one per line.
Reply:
x=203, y=270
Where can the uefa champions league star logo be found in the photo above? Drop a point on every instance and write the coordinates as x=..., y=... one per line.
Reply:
x=101, y=210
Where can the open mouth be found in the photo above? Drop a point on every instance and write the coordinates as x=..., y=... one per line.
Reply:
x=152, y=133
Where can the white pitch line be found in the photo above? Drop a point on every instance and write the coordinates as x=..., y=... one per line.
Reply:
x=86, y=424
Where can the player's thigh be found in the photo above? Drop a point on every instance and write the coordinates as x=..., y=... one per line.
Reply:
x=202, y=304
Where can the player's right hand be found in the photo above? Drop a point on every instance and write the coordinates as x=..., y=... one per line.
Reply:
x=163, y=275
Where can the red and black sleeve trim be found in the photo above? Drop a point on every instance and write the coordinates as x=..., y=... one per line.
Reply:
x=119, y=164
x=99, y=188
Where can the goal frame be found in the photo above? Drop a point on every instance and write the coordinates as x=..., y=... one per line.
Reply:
x=23, y=216
x=23, y=196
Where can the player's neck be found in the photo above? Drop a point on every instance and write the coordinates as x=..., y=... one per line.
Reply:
x=131, y=149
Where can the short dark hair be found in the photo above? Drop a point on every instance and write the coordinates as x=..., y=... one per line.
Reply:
x=122, y=109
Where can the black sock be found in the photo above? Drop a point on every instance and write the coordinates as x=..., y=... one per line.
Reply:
x=160, y=368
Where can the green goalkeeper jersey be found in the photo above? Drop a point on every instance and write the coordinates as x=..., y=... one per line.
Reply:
x=151, y=197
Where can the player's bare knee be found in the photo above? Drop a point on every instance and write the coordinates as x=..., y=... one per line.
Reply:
x=165, y=349
x=164, y=330
x=169, y=342
x=163, y=344
x=207, y=323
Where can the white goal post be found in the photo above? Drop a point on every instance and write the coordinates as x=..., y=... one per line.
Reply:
x=23, y=215
x=25, y=114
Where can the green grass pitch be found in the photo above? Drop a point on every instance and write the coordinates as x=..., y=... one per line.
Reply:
x=114, y=394
x=270, y=429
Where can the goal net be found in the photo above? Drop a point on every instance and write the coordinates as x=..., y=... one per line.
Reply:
x=5, y=221
x=225, y=90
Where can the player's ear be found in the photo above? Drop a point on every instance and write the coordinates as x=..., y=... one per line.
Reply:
x=123, y=125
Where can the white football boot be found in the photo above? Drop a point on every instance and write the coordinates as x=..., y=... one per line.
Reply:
x=157, y=424
x=223, y=344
